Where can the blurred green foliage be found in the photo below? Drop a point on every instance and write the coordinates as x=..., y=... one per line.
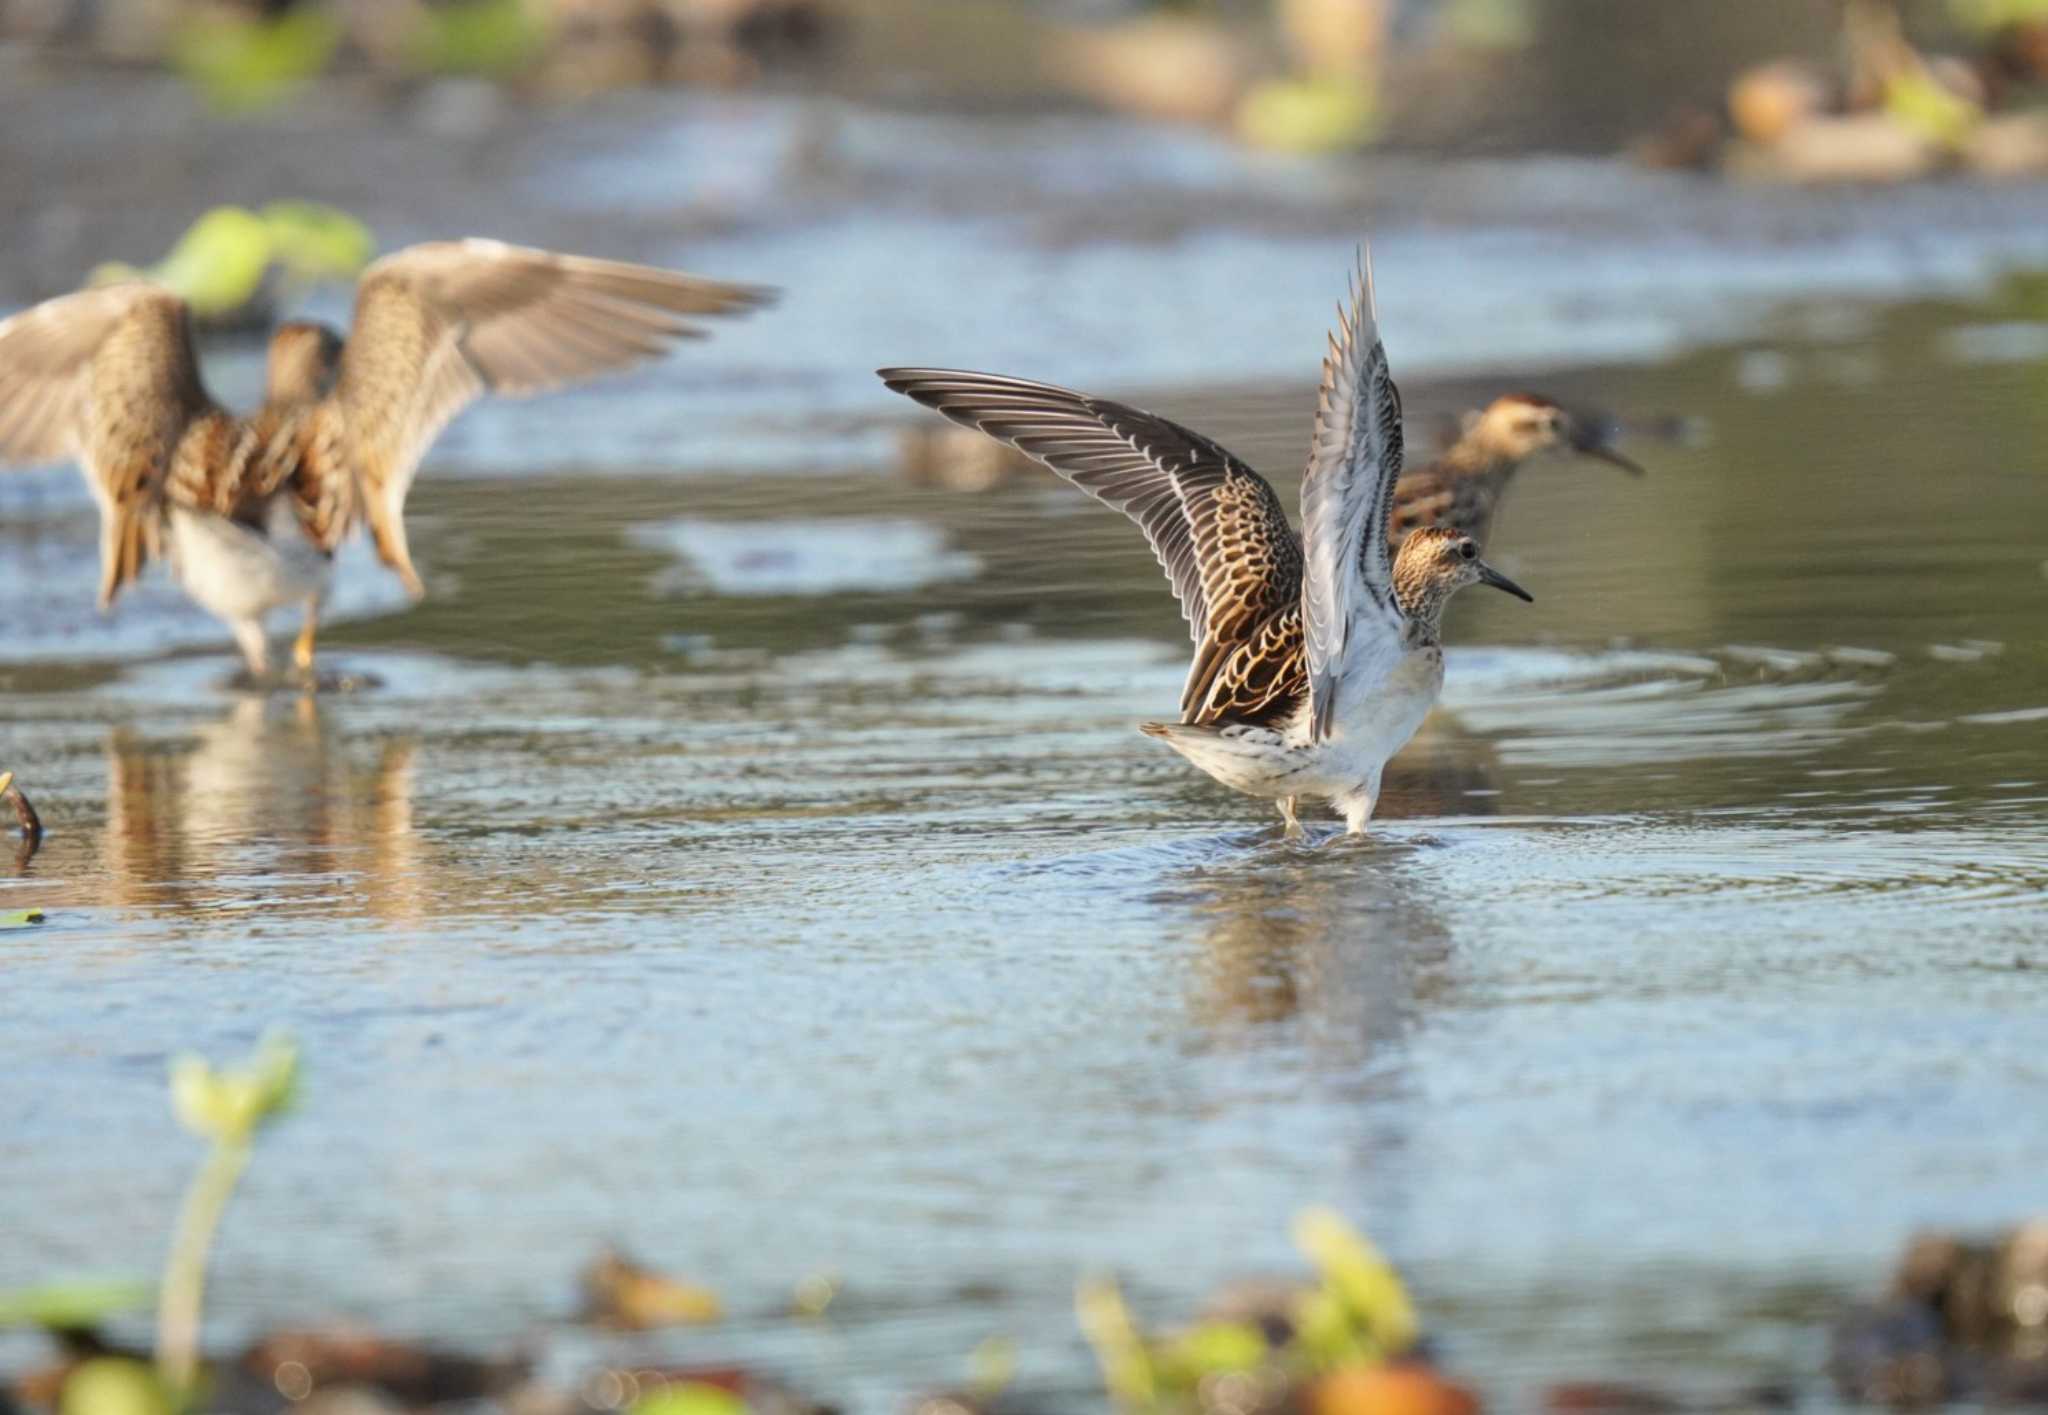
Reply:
x=1996, y=14
x=243, y=64
x=313, y=241
x=1357, y=1312
x=78, y=1305
x=221, y=262
x=1330, y=113
x=115, y=1385
x=1922, y=103
x=1491, y=24
x=491, y=38
x=690, y=1398
x=227, y=1106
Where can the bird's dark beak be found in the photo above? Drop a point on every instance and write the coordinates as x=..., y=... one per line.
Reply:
x=1608, y=454
x=1594, y=437
x=1490, y=576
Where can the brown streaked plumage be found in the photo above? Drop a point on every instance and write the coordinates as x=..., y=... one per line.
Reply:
x=1464, y=486
x=1215, y=525
x=1317, y=653
x=109, y=377
x=304, y=362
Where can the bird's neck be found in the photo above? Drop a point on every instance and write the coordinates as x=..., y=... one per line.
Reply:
x=1422, y=597
x=1475, y=457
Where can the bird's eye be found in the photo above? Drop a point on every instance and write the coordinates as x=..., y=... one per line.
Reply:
x=1467, y=550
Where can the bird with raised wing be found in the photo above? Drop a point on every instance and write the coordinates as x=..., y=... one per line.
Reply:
x=1462, y=488
x=250, y=509
x=1317, y=655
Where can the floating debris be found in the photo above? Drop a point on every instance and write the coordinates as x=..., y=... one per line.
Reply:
x=1966, y=1319
x=298, y=1362
x=618, y=1292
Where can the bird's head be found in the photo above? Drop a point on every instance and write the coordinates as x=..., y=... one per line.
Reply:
x=1436, y=562
x=305, y=359
x=1517, y=426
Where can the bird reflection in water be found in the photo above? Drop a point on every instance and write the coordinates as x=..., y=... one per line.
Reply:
x=1333, y=957
x=274, y=800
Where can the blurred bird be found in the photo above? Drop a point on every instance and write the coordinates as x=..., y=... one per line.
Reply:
x=1317, y=655
x=250, y=509
x=1462, y=489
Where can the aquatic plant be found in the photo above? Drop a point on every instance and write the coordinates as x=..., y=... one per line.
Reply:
x=225, y=1108
x=241, y=63
x=219, y=265
x=1334, y=1344
x=79, y=1304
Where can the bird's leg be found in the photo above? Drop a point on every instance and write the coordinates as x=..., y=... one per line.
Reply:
x=1292, y=830
x=302, y=647
x=1357, y=807
x=255, y=646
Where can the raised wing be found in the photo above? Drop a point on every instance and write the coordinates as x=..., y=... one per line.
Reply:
x=440, y=325
x=1215, y=524
x=1346, y=496
x=106, y=377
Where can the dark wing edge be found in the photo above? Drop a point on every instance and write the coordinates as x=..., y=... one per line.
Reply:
x=1215, y=525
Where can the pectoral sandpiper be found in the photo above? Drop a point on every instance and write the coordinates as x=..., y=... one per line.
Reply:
x=1316, y=655
x=1462, y=489
x=249, y=510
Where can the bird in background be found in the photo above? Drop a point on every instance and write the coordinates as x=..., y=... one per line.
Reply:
x=249, y=510
x=1463, y=487
x=1317, y=654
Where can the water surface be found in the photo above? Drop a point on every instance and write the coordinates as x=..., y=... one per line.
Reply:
x=762, y=871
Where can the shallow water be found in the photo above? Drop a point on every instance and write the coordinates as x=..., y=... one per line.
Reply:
x=763, y=873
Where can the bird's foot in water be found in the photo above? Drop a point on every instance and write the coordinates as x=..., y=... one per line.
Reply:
x=302, y=680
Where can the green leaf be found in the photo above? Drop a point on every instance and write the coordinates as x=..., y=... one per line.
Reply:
x=1106, y=1322
x=1210, y=1349
x=317, y=242
x=228, y=1106
x=1355, y=1274
x=73, y=1306
x=219, y=262
x=1922, y=104
x=1309, y=115
x=1323, y=1331
x=690, y=1398
x=21, y=919
x=114, y=1385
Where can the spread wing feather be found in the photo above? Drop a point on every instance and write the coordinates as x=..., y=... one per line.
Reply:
x=1346, y=496
x=1219, y=531
x=107, y=377
x=441, y=324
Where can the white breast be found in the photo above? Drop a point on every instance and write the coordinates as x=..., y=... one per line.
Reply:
x=237, y=573
x=1375, y=722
